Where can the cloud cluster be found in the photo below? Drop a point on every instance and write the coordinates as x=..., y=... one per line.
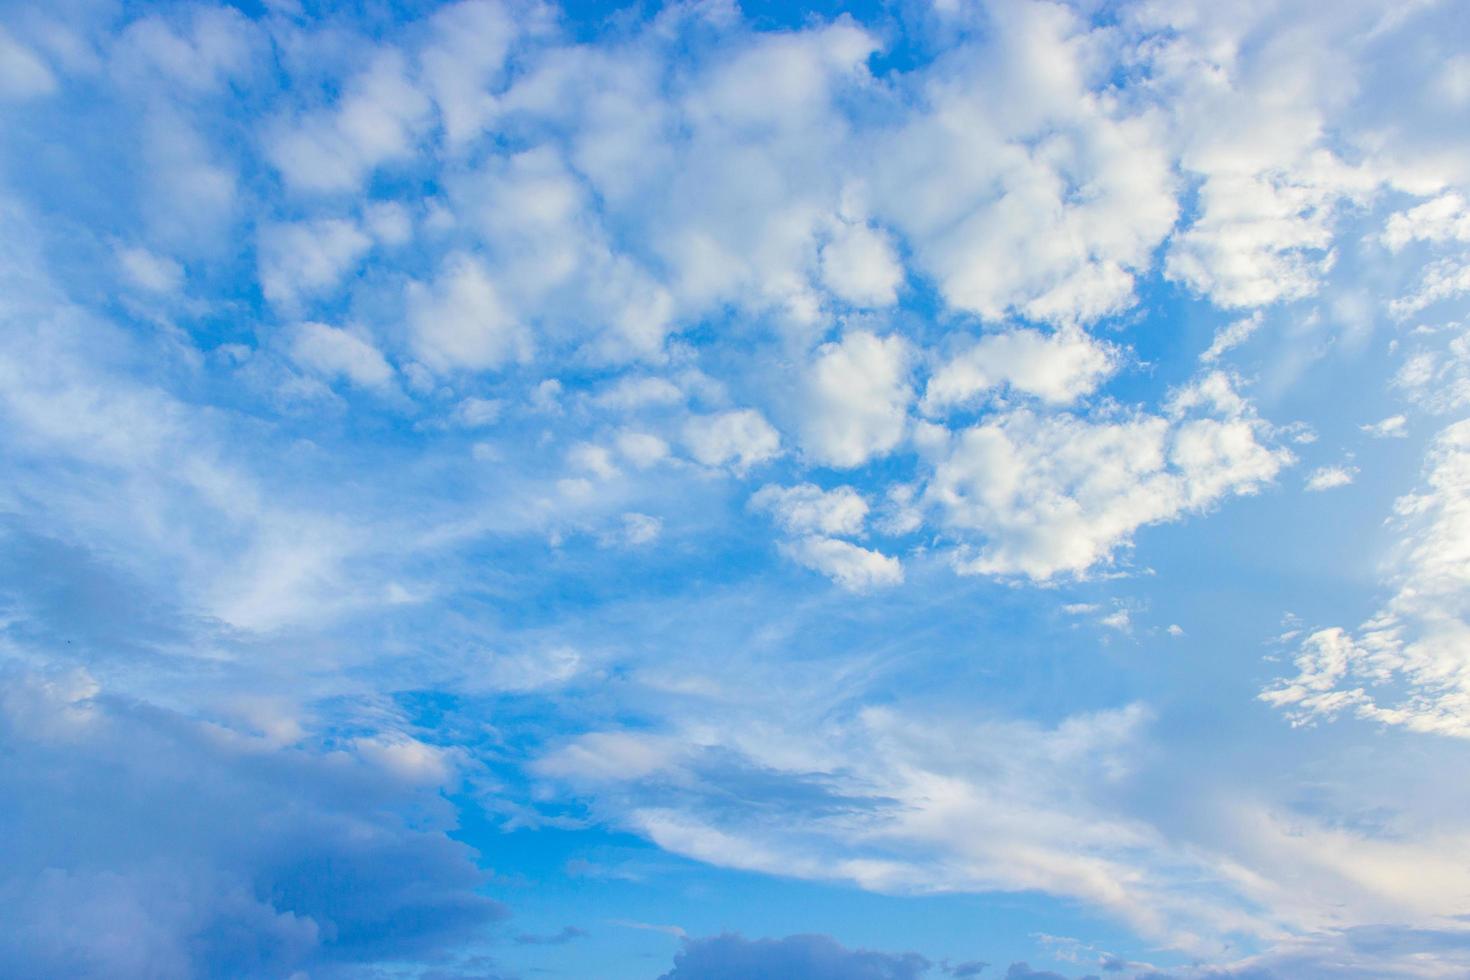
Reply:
x=1407, y=665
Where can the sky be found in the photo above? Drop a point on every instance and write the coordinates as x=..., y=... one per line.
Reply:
x=687, y=491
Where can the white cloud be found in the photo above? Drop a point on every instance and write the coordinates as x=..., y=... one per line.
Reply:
x=389, y=222
x=1444, y=219
x=808, y=509
x=1057, y=368
x=1441, y=280
x=639, y=391
x=854, y=568
x=1231, y=336
x=1393, y=427
x=476, y=413
x=308, y=258
x=379, y=119
x=857, y=398
x=1329, y=477
x=334, y=352
x=982, y=181
x=860, y=266
x=642, y=449
x=739, y=438
x=155, y=273
x=604, y=756
x=1408, y=664
x=200, y=52
x=23, y=74
x=594, y=459
x=408, y=759
x=1061, y=493
x=462, y=322
x=471, y=40
x=639, y=529
x=1438, y=379
x=1260, y=240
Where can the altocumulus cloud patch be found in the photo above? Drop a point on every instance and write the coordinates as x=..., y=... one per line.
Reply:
x=492, y=487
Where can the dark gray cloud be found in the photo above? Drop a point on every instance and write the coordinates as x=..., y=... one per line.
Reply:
x=969, y=968
x=806, y=957
x=143, y=843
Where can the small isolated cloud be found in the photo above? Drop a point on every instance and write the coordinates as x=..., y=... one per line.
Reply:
x=810, y=957
x=1393, y=427
x=640, y=529
x=1231, y=336
x=854, y=568
x=1328, y=477
x=738, y=439
x=476, y=413
x=808, y=509
x=337, y=353
x=1175, y=630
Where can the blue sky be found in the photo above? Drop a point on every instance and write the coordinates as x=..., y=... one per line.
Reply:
x=702, y=490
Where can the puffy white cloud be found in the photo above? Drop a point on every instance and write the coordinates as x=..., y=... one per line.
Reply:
x=1057, y=368
x=855, y=568
x=1329, y=477
x=201, y=51
x=1017, y=187
x=857, y=398
x=642, y=449
x=739, y=438
x=335, y=352
x=464, y=60
x=380, y=118
x=808, y=509
x=597, y=460
x=1407, y=665
x=308, y=258
x=1060, y=493
x=1259, y=241
x=1444, y=219
x=860, y=266
x=461, y=321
